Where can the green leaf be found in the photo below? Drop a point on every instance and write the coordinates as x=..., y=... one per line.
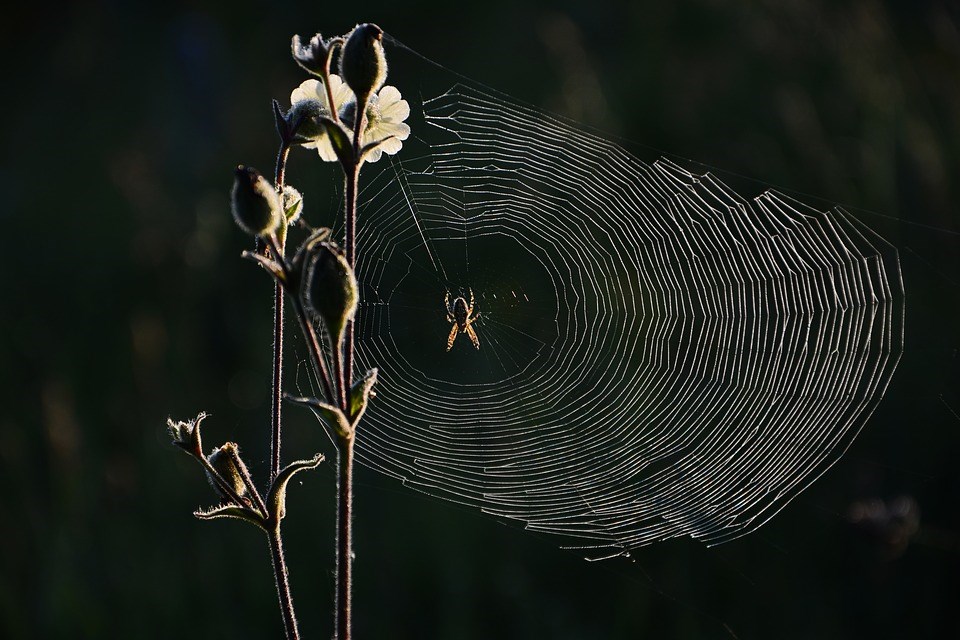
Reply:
x=277, y=498
x=232, y=511
x=341, y=139
x=360, y=394
x=328, y=414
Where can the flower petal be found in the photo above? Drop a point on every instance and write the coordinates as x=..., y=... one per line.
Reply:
x=398, y=130
x=391, y=146
x=325, y=149
x=373, y=155
x=396, y=112
x=341, y=92
x=392, y=107
x=308, y=90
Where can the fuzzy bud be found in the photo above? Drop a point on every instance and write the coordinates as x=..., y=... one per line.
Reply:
x=304, y=120
x=186, y=435
x=329, y=288
x=226, y=460
x=255, y=203
x=363, y=64
x=313, y=56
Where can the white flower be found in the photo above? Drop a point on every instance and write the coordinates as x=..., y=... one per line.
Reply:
x=312, y=95
x=386, y=112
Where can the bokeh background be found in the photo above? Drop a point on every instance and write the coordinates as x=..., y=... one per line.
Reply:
x=124, y=301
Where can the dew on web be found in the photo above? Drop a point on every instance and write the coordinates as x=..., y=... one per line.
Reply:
x=659, y=357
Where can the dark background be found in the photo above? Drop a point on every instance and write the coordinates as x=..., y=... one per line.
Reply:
x=125, y=302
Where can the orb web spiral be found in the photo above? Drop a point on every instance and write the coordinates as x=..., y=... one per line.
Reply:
x=659, y=357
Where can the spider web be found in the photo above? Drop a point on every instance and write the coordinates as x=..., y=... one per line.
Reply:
x=659, y=357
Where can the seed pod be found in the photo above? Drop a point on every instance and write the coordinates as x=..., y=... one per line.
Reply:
x=329, y=288
x=363, y=64
x=225, y=461
x=255, y=203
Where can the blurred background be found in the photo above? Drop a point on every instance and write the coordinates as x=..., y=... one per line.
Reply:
x=125, y=302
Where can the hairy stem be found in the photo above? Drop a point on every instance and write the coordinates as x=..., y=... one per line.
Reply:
x=344, y=535
x=283, y=587
x=276, y=397
x=248, y=483
x=345, y=371
x=276, y=390
x=350, y=247
x=341, y=400
x=281, y=171
x=326, y=85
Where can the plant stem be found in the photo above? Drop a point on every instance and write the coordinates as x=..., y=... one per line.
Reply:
x=352, y=177
x=276, y=391
x=345, y=450
x=344, y=535
x=283, y=587
x=282, y=156
x=276, y=400
x=341, y=399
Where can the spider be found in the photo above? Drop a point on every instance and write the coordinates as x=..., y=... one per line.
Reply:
x=461, y=315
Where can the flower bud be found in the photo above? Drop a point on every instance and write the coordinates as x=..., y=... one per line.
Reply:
x=329, y=288
x=255, y=203
x=363, y=63
x=226, y=460
x=304, y=121
x=313, y=56
x=186, y=435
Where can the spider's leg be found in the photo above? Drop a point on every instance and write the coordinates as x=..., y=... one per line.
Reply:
x=452, y=336
x=450, y=317
x=471, y=299
x=473, y=336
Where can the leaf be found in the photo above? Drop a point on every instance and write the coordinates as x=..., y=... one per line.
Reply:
x=280, y=120
x=329, y=414
x=360, y=394
x=276, y=499
x=341, y=139
x=272, y=267
x=367, y=148
x=232, y=511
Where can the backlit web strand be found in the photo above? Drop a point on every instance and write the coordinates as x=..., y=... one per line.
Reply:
x=659, y=357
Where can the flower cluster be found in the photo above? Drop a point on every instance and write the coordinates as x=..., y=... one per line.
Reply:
x=384, y=126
